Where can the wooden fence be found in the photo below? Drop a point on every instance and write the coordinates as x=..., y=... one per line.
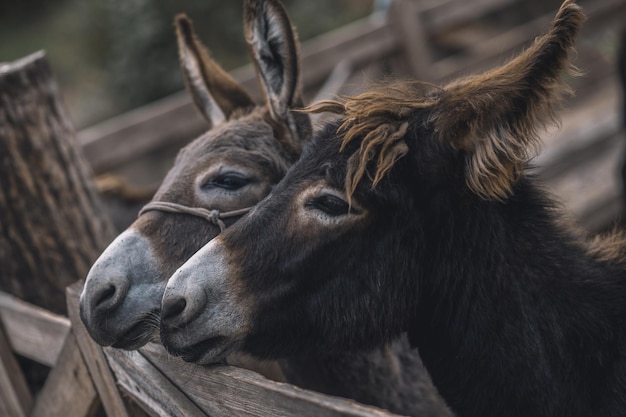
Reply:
x=160, y=384
x=148, y=381
x=406, y=42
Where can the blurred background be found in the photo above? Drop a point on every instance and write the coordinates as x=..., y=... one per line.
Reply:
x=114, y=55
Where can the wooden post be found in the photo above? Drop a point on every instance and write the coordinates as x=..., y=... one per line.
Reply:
x=406, y=21
x=69, y=390
x=52, y=224
x=15, y=398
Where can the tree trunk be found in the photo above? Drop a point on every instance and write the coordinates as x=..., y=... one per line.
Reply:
x=52, y=222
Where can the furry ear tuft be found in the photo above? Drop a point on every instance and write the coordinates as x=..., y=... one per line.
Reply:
x=215, y=93
x=495, y=117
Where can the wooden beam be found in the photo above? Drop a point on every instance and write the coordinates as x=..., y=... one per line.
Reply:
x=408, y=25
x=490, y=52
x=15, y=397
x=94, y=358
x=222, y=391
x=440, y=15
x=53, y=223
x=33, y=332
x=146, y=385
x=360, y=42
x=68, y=390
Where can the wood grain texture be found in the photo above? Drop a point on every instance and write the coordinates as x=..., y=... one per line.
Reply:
x=68, y=391
x=222, y=390
x=15, y=397
x=51, y=222
x=33, y=332
x=150, y=388
x=94, y=358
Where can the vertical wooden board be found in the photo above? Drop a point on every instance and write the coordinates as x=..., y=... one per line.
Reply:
x=149, y=387
x=226, y=391
x=15, y=397
x=95, y=360
x=33, y=332
x=68, y=391
x=405, y=20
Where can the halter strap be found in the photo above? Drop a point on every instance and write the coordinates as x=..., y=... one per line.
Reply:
x=213, y=216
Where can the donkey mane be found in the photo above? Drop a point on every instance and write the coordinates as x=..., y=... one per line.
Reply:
x=500, y=137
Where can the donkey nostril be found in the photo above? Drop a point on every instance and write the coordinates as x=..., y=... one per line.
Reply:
x=106, y=295
x=174, y=309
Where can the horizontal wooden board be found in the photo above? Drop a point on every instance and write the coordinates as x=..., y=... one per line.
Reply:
x=32, y=331
x=168, y=386
x=149, y=388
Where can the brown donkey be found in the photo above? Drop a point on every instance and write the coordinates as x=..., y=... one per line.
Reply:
x=217, y=178
x=414, y=213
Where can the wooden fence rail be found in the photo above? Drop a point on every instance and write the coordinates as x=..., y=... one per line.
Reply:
x=159, y=384
x=133, y=384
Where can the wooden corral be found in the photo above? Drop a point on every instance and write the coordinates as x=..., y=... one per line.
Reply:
x=432, y=40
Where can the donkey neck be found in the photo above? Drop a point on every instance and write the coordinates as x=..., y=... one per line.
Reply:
x=515, y=318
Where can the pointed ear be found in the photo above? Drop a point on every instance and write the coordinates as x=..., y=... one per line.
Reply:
x=215, y=93
x=495, y=117
x=274, y=48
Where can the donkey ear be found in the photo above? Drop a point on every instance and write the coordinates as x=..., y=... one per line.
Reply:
x=495, y=117
x=273, y=45
x=215, y=93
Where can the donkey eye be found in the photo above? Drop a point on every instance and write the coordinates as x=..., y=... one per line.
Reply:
x=329, y=204
x=230, y=181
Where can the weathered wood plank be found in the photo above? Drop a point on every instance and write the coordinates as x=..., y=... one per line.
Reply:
x=492, y=51
x=33, y=332
x=360, y=42
x=441, y=15
x=229, y=391
x=15, y=397
x=567, y=147
x=68, y=391
x=580, y=163
x=95, y=361
x=410, y=29
x=125, y=137
x=53, y=224
x=149, y=387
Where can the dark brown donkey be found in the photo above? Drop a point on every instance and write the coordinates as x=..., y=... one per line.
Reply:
x=232, y=167
x=414, y=213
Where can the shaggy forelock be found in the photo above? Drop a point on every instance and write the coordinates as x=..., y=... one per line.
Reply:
x=381, y=119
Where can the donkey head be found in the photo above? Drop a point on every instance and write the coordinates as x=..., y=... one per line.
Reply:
x=233, y=166
x=341, y=253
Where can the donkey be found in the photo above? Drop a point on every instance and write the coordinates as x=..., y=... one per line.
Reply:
x=415, y=212
x=215, y=179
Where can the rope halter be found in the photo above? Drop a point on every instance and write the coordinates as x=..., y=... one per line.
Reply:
x=213, y=216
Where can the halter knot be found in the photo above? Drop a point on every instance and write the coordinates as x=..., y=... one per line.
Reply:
x=214, y=216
